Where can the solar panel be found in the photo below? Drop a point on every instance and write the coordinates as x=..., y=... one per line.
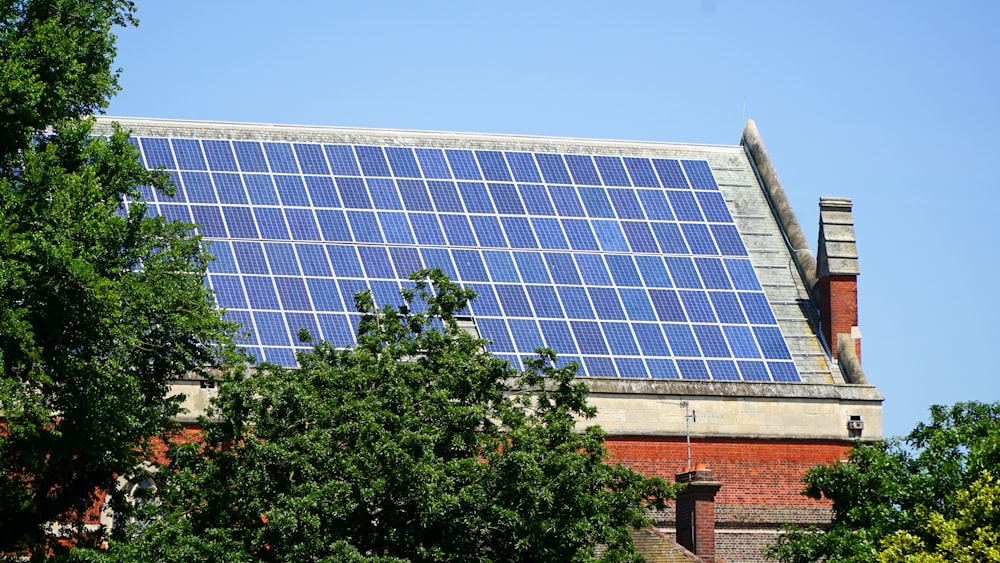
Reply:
x=630, y=266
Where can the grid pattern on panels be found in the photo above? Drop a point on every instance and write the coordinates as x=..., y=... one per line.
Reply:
x=630, y=266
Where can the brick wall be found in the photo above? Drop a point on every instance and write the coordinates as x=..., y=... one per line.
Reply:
x=838, y=302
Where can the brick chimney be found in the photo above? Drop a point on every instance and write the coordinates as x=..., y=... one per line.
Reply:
x=696, y=512
x=837, y=272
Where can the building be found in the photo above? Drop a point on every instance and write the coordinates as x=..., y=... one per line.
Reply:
x=676, y=275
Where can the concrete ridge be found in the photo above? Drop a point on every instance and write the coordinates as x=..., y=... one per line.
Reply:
x=681, y=387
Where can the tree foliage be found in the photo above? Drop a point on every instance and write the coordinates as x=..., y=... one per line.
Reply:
x=415, y=445
x=100, y=305
x=929, y=497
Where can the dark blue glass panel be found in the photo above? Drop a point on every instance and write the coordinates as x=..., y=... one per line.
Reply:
x=655, y=203
x=549, y=233
x=372, y=161
x=495, y=330
x=345, y=261
x=485, y=302
x=698, y=308
x=685, y=206
x=640, y=238
x=513, y=300
x=741, y=341
x=757, y=308
x=670, y=238
x=700, y=174
x=364, y=226
x=402, y=162
x=612, y=171
x=342, y=162
x=375, y=260
x=353, y=193
x=476, y=199
x=711, y=340
x=536, y=199
x=470, y=265
x=279, y=356
x=662, y=369
x=322, y=191
x=291, y=190
x=562, y=268
x=581, y=167
x=506, y=198
x=333, y=225
x=526, y=335
x=188, y=152
x=281, y=257
x=488, y=231
x=599, y=367
x=575, y=302
x=523, y=166
x=714, y=207
x=225, y=262
x=670, y=173
x=772, y=343
x=531, y=267
x=727, y=307
x=609, y=233
x=415, y=196
x=623, y=270
x=349, y=289
x=783, y=371
x=383, y=193
x=493, y=165
x=250, y=156
x=567, y=201
x=641, y=171
x=553, y=168
x=313, y=260
x=229, y=292
x=271, y=222
x=606, y=303
x=589, y=337
x=179, y=195
x=396, y=227
x=651, y=339
x=558, y=337
x=209, y=220
x=597, y=203
x=439, y=258
x=463, y=164
x=230, y=188
x=433, y=163
x=271, y=329
x=157, y=153
x=311, y=159
x=245, y=333
x=457, y=230
x=386, y=293
x=620, y=339
x=653, y=272
x=667, y=305
x=681, y=340
x=579, y=234
x=250, y=257
x=292, y=293
x=427, y=228
x=592, y=269
x=712, y=273
x=261, y=189
x=220, y=155
x=723, y=370
x=742, y=274
x=445, y=196
x=693, y=369
x=281, y=157
x=519, y=232
x=176, y=213
x=405, y=260
x=260, y=291
x=683, y=272
x=753, y=371
x=545, y=301
x=307, y=321
x=637, y=305
x=336, y=330
x=626, y=203
x=500, y=265
x=632, y=368
x=729, y=240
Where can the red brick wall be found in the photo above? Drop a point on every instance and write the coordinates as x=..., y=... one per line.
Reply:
x=838, y=305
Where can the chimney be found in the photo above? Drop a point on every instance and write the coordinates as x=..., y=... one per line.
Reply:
x=696, y=512
x=837, y=272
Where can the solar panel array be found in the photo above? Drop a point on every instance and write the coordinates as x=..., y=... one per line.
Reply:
x=631, y=266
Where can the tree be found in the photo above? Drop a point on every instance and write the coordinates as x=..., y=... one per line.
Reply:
x=931, y=494
x=415, y=445
x=100, y=304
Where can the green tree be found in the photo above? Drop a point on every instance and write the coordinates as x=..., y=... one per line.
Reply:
x=100, y=305
x=928, y=494
x=414, y=445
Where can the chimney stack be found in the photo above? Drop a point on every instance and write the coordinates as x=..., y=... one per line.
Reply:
x=837, y=272
x=696, y=512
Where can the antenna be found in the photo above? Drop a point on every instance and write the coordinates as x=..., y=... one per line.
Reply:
x=689, y=417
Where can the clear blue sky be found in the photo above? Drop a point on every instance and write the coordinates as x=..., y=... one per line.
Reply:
x=893, y=104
